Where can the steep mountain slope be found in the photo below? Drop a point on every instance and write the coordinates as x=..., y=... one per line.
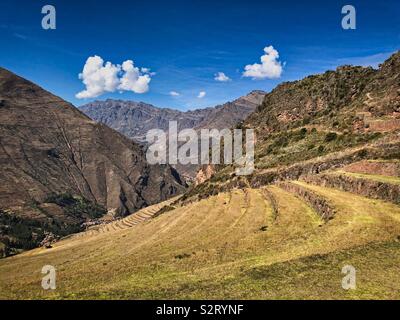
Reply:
x=134, y=119
x=333, y=99
x=231, y=113
x=323, y=121
x=56, y=164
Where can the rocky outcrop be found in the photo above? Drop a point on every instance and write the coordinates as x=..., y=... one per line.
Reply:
x=49, y=239
x=204, y=174
x=334, y=98
x=381, y=95
x=292, y=103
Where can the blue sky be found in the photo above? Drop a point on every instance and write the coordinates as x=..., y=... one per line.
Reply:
x=187, y=42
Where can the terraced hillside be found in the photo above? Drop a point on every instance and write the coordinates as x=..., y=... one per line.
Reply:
x=322, y=122
x=129, y=221
x=378, y=179
x=251, y=243
x=324, y=195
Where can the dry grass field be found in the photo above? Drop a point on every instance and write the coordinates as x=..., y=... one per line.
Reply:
x=262, y=243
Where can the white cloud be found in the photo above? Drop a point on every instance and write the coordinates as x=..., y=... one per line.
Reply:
x=174, y=93
x=220, y=76
x=147, y=70
x=202, y=94
x=100, y=78
x=269, y=68
x=133, y=79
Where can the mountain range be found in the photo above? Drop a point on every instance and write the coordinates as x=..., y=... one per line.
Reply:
x=135, y=119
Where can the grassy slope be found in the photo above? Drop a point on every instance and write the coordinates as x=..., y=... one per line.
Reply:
x=374, y=177
x=215, y=248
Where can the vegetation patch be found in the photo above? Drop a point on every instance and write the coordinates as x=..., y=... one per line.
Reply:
x=182, y=256
x=18, y=234
x=77, y=206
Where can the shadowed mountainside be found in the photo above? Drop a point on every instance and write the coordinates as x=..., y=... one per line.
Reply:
x=55, y=161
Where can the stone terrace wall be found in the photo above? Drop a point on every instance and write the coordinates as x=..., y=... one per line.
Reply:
x=365, y=187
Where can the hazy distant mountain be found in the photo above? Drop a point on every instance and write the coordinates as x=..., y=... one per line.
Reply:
x=134, y=119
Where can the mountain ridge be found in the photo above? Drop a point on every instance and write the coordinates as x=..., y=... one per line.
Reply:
x=60, y=169
x=134, y=119
x=322, y=121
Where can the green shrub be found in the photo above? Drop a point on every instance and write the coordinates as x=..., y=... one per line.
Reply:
x=331, y=136
x=306, y=121
x=62, y=199
x=281, y=142
x=363, y=153
x=303, y=131
x=182, y=256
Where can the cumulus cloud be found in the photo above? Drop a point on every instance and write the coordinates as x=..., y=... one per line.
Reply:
x=202, y=94
x=220, y=76
x=174, y=93
x=100, y=78
x=133, y=79
x=270, y=66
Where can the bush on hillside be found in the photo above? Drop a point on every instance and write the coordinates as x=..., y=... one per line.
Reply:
x=331, y=136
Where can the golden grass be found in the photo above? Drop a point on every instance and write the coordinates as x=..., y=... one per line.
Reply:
x=226, y=246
